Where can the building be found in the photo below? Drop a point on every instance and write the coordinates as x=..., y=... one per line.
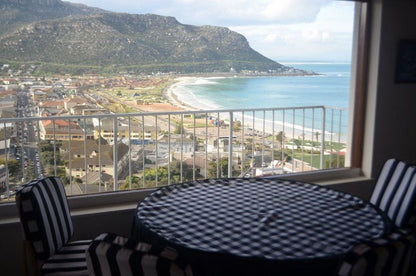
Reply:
x=222, y=145
x=136, y=132
x=63, y=130
x=68, y=104
x=92, y=157
x=177, y=145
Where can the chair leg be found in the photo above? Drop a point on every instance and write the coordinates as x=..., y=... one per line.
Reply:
x=29, y=260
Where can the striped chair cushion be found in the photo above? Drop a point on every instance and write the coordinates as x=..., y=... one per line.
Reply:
x=395, y=191
x=402, y=206
x=69, y=260
x=44, y=213
x=390, y=256
x=110, y=254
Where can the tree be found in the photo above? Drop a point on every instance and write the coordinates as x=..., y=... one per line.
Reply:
x=47, y=154
x=45, y=145
x=30, y=171
x=134, y=182
x=48, y=158
x=333, y=163
x=236, y=126
x=162, y=175
x=12, y=164
x=223, y=168
x=179, y=129
x=280, y=136
x=317, y=135
x=60, y=172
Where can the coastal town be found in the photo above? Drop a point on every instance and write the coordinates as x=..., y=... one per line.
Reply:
x=75, y=125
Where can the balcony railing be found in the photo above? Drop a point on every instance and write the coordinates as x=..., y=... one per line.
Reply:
x=110, y=152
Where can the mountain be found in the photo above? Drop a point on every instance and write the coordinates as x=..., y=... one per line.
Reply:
x=59, y=36
x=17, y=13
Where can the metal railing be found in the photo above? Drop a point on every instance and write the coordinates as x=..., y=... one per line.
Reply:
x=110, y=152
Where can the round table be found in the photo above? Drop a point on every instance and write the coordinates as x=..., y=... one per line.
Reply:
x=257, y=225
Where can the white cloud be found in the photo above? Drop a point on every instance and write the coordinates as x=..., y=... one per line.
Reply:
x=279, y=29
x=220, y=12
x=270, y=38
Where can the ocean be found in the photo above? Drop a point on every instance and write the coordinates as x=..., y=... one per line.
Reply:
x=330, y=88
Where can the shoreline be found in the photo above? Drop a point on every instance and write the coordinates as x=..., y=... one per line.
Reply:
x=172, y=97
x=291, y=131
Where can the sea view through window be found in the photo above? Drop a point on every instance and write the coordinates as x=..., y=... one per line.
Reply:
x=146, y=95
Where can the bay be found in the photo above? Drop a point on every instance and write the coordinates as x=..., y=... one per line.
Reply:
x=330, y=88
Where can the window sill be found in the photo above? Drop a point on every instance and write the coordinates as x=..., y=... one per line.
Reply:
x=127, y=200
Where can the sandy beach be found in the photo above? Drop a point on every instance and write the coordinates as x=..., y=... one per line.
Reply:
x=267, y=128
x=171, y=97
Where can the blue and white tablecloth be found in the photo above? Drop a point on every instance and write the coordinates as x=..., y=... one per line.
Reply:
x=245, y=223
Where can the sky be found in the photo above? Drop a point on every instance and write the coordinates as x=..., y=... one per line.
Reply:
x=283, y=30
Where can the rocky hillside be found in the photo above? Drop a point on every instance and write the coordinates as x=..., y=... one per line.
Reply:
x=82, y=38
x=17, y=13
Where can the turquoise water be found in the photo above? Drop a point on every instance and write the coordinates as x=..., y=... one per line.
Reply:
x=330, y=88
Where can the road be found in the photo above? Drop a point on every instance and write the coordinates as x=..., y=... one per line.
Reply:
x=27, y=139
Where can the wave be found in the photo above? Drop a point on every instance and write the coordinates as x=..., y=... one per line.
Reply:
x=188, y=97
x=313, y=63
x=202, y=81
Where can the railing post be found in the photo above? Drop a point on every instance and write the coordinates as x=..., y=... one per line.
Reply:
x=321, y=166
x=115, y=153
x=170, y=157
x=156, y=153
x=230, y=147
x=54, y=145
x=99, y=155
x=85, y=158
x=6, y=153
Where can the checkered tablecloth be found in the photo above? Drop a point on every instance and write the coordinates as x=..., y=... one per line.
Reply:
x=259, y=218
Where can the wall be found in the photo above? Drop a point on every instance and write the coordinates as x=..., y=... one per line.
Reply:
x=86, y=226
x=391, y=107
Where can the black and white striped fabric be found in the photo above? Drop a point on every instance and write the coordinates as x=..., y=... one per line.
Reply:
x=69, y=260
x=393, y=255
x=257, y=221
x=110, y=254
x=44, y=214
x=395, y=191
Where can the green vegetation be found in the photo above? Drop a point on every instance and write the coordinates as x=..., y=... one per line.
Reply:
x=12, y=164
x=222, y=169
x=162, y=176
x=45, y=35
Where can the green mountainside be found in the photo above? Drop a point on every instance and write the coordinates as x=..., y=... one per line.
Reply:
x=62, y=37
x=17, y=13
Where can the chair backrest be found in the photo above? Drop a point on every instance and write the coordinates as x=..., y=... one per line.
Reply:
x=45, y=216
x=393, y=255
x=395, y=191
x=110, y=254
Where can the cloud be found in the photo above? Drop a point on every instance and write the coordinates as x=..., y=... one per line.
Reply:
x=278, y=29
x=220, y=12
x=270, y=38
x=328, y=37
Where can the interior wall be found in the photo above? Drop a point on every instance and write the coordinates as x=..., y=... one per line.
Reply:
x=391, y=107
x=86, y=226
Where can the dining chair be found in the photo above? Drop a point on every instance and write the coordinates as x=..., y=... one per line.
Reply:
x=111, y=254
x=395, y=192
x=393, y=255
x=47, y=224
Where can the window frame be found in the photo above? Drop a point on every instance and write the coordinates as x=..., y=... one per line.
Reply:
x=358, y=92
